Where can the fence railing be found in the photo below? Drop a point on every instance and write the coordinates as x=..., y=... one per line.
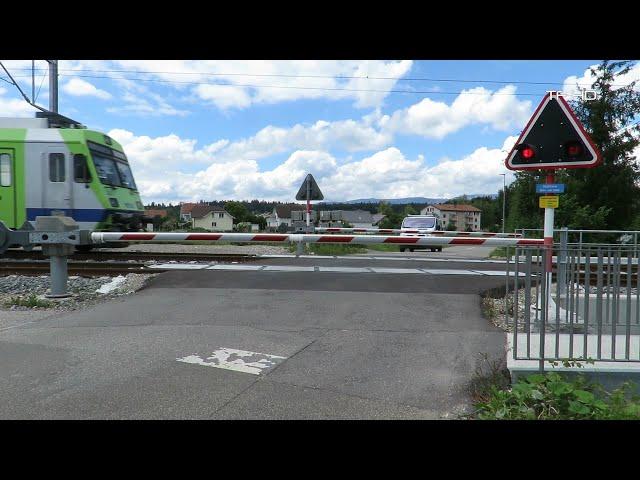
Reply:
x=589, y=311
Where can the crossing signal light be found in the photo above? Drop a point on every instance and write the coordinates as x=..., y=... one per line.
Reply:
x=528, y=152
x=573, y=148
x=554, y=138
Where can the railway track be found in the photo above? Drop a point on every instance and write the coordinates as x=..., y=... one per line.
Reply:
x=99, y=256
x=20, y=262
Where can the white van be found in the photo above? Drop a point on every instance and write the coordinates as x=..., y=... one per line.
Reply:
x=425, y=224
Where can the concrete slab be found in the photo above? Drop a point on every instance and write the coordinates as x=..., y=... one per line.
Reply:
x=268, y=400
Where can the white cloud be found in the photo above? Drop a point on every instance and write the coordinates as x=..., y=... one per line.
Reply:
x=239, y=84
x=573, y=84
x=501, y=110
x=80, y=88
x=14, y=107
x=387, y=173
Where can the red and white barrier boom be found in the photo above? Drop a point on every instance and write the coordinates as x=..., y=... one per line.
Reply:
x=442, y=233
x=102, y=237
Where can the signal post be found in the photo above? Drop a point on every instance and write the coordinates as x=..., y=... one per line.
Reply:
x=554, y=138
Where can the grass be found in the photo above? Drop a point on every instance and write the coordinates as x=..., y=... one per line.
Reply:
x=330, y=249
x=499, y=252
x=381, y=247
x=31, y=301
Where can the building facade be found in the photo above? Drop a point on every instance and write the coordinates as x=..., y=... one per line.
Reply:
x=213, y=219
x=462, y=217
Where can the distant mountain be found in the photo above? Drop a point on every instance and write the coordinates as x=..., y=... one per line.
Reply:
x=395, y=200
x=406, y=200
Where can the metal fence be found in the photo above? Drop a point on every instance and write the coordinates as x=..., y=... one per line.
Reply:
x=591, y=312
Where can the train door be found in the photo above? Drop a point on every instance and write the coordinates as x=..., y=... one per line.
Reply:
x=58, y=181
x=7, y=187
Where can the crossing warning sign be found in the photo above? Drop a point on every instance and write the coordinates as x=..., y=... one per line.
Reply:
x=554, y=138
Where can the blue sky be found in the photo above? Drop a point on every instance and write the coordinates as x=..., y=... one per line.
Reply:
x=220, y=130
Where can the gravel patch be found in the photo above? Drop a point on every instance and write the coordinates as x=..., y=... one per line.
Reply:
x=27, y=293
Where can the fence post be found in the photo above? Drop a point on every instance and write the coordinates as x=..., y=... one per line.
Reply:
x=561, y=280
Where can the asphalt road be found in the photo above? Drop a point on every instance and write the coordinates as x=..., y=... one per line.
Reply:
x=326, y=345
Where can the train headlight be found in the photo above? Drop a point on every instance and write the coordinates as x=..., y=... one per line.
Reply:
x=114, y=202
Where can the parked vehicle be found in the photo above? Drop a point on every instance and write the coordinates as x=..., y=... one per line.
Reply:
x=425, y=224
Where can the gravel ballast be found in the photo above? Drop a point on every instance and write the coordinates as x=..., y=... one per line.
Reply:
x=24, y=293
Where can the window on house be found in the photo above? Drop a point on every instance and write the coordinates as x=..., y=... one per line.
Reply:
x=5, y=170
x=213, y=224
x=56, y=167
x=221, y=215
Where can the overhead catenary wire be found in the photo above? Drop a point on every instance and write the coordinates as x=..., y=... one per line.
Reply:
x=338, y=77
x=293, y=87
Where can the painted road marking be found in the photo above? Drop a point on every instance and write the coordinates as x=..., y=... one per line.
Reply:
x=435, y=271
x=390, y=257
x=179, y=266
x=494, y=273
x=394, y=270
x=295, y=268
x=344, y=269
x=236, y=360
x=235, y=267
x=288, y=268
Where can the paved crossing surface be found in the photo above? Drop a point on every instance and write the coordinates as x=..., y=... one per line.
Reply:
x=264, y=344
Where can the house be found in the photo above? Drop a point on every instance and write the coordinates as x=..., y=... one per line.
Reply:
x=358, y=218
x=281, y=214
x=377, y=218
x=185, y=211
x=462, y=217
x=214, y=219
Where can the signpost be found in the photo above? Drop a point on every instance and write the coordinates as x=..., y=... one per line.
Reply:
x=309, y=190
x=553, y=139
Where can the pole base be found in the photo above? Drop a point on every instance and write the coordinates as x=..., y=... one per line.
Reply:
x=61, y=295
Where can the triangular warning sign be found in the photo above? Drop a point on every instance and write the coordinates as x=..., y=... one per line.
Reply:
x=554, y=138
x=309, y=190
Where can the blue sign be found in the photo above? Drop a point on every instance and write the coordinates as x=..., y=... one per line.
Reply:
x=550, y=188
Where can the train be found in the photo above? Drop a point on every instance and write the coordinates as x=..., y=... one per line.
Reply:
x=52, y=165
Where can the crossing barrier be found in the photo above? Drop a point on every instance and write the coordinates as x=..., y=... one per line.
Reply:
x=443, y=233
x=102, y=237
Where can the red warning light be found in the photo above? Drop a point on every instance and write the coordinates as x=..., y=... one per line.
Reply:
x=573, y=149
x=528, y=152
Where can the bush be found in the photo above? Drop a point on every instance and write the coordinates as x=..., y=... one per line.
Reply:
x=550, y=396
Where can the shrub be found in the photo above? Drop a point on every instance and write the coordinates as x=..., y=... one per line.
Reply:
x=554, y=397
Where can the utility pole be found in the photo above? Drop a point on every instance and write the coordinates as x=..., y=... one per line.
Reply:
x=504, y=197
x=53, y=85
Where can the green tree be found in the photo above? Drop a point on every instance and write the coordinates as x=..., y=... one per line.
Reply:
x=238, y=210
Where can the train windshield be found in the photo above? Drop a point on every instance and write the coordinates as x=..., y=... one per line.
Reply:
x=429, y=222
x=113, y=172
x=107, y=170
x=126, y=176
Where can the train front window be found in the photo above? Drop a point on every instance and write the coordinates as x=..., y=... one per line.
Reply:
x=107, y=170
x=126, y=175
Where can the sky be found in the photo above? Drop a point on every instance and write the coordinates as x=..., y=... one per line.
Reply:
x=243, y=130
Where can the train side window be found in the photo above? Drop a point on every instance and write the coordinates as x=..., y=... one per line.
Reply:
x=56, y=167
x=5, y=170
x=81, y=172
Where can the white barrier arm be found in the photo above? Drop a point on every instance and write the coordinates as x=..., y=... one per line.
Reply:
x=443, y=233
x=102, y=237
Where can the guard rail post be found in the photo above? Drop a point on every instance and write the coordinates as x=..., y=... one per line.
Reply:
x=58, y=236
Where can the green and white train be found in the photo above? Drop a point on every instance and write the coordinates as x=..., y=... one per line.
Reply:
x=51, y=164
